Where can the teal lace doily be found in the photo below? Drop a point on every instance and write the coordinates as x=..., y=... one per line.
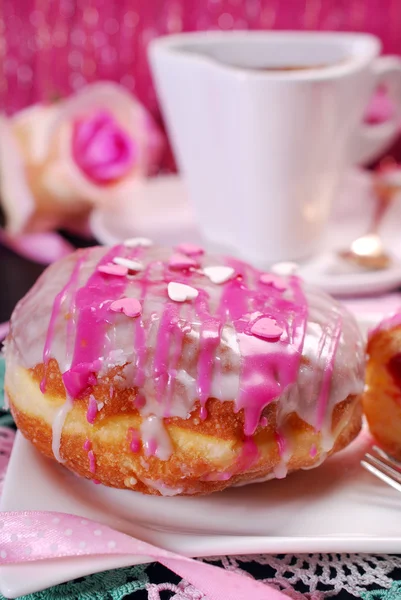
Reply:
x=110, y=585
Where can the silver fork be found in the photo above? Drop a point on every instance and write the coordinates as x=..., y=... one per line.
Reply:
x=383, y=466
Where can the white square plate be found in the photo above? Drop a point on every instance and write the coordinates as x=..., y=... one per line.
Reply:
x=336, y=508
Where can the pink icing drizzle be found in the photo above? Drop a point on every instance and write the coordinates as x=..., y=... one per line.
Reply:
x=249, y=455
x=267, y=367
x=92, y=302
x=313, y=451
x=134, y=441
x=92, y=461
x=209, y=340
x=265, y=373
x=92, y=410
x=140, y=334
x=331, y=340
x=91, y=456
x=167, y=329
x=58, y=302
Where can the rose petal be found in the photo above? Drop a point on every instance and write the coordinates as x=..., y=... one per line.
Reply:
x=102, y=149
x=138, y=122
x=16, y=198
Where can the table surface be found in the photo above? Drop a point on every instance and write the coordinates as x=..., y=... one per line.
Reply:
x=155, y=582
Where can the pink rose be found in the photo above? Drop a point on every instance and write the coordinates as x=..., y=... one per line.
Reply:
x=59, y=161
x=102, y=149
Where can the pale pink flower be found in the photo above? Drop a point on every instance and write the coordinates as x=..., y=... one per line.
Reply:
x=60, y=160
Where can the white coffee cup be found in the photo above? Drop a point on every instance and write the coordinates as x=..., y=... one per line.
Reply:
x=263, y=148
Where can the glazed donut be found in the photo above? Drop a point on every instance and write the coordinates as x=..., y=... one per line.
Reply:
x=382, y=397
x=176, y=372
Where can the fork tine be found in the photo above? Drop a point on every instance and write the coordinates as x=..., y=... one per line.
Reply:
x=393, y=462
x=383, y=466
x=383, y=476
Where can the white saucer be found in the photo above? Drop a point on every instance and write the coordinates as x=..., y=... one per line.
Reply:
x=160, y=210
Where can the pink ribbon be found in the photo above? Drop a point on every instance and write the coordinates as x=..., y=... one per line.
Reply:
x=34, y=536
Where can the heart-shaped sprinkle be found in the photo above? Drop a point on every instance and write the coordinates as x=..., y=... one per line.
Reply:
x=113, y=270
x=131, y=265
x=285, y=268
x=219, y=274
x=138, y=241
x=267, y=329
x=180, y=292
x=131, y=307
x=190, y=249
x=274, y=280
x=180, y=261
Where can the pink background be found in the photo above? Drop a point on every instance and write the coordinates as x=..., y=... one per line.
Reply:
x=49, y=48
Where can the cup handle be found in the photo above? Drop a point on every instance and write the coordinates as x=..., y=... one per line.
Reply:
x=372, y=140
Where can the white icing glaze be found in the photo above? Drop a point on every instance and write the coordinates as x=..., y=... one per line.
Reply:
x=57, y=428
x=161, y=487
x=155, y=434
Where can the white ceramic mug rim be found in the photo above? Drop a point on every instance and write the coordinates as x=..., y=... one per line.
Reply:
x=370, y=49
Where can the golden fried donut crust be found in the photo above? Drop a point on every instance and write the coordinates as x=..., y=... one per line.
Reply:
x=201, y=447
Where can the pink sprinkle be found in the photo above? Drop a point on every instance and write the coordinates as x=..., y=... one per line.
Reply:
x=42, y=385
x=180, y=261
x=96, y=481
x=131, y=307
x=92, y=410
x=135, y=444
x=190, y=249
x=266, y=328
x=92, y=461
x=87, y=445
x=274, y=280
x=203, y=413
x=313, y=451
x=263, y=422
x=281, y=443
x=118, y=270
x=111, y=393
